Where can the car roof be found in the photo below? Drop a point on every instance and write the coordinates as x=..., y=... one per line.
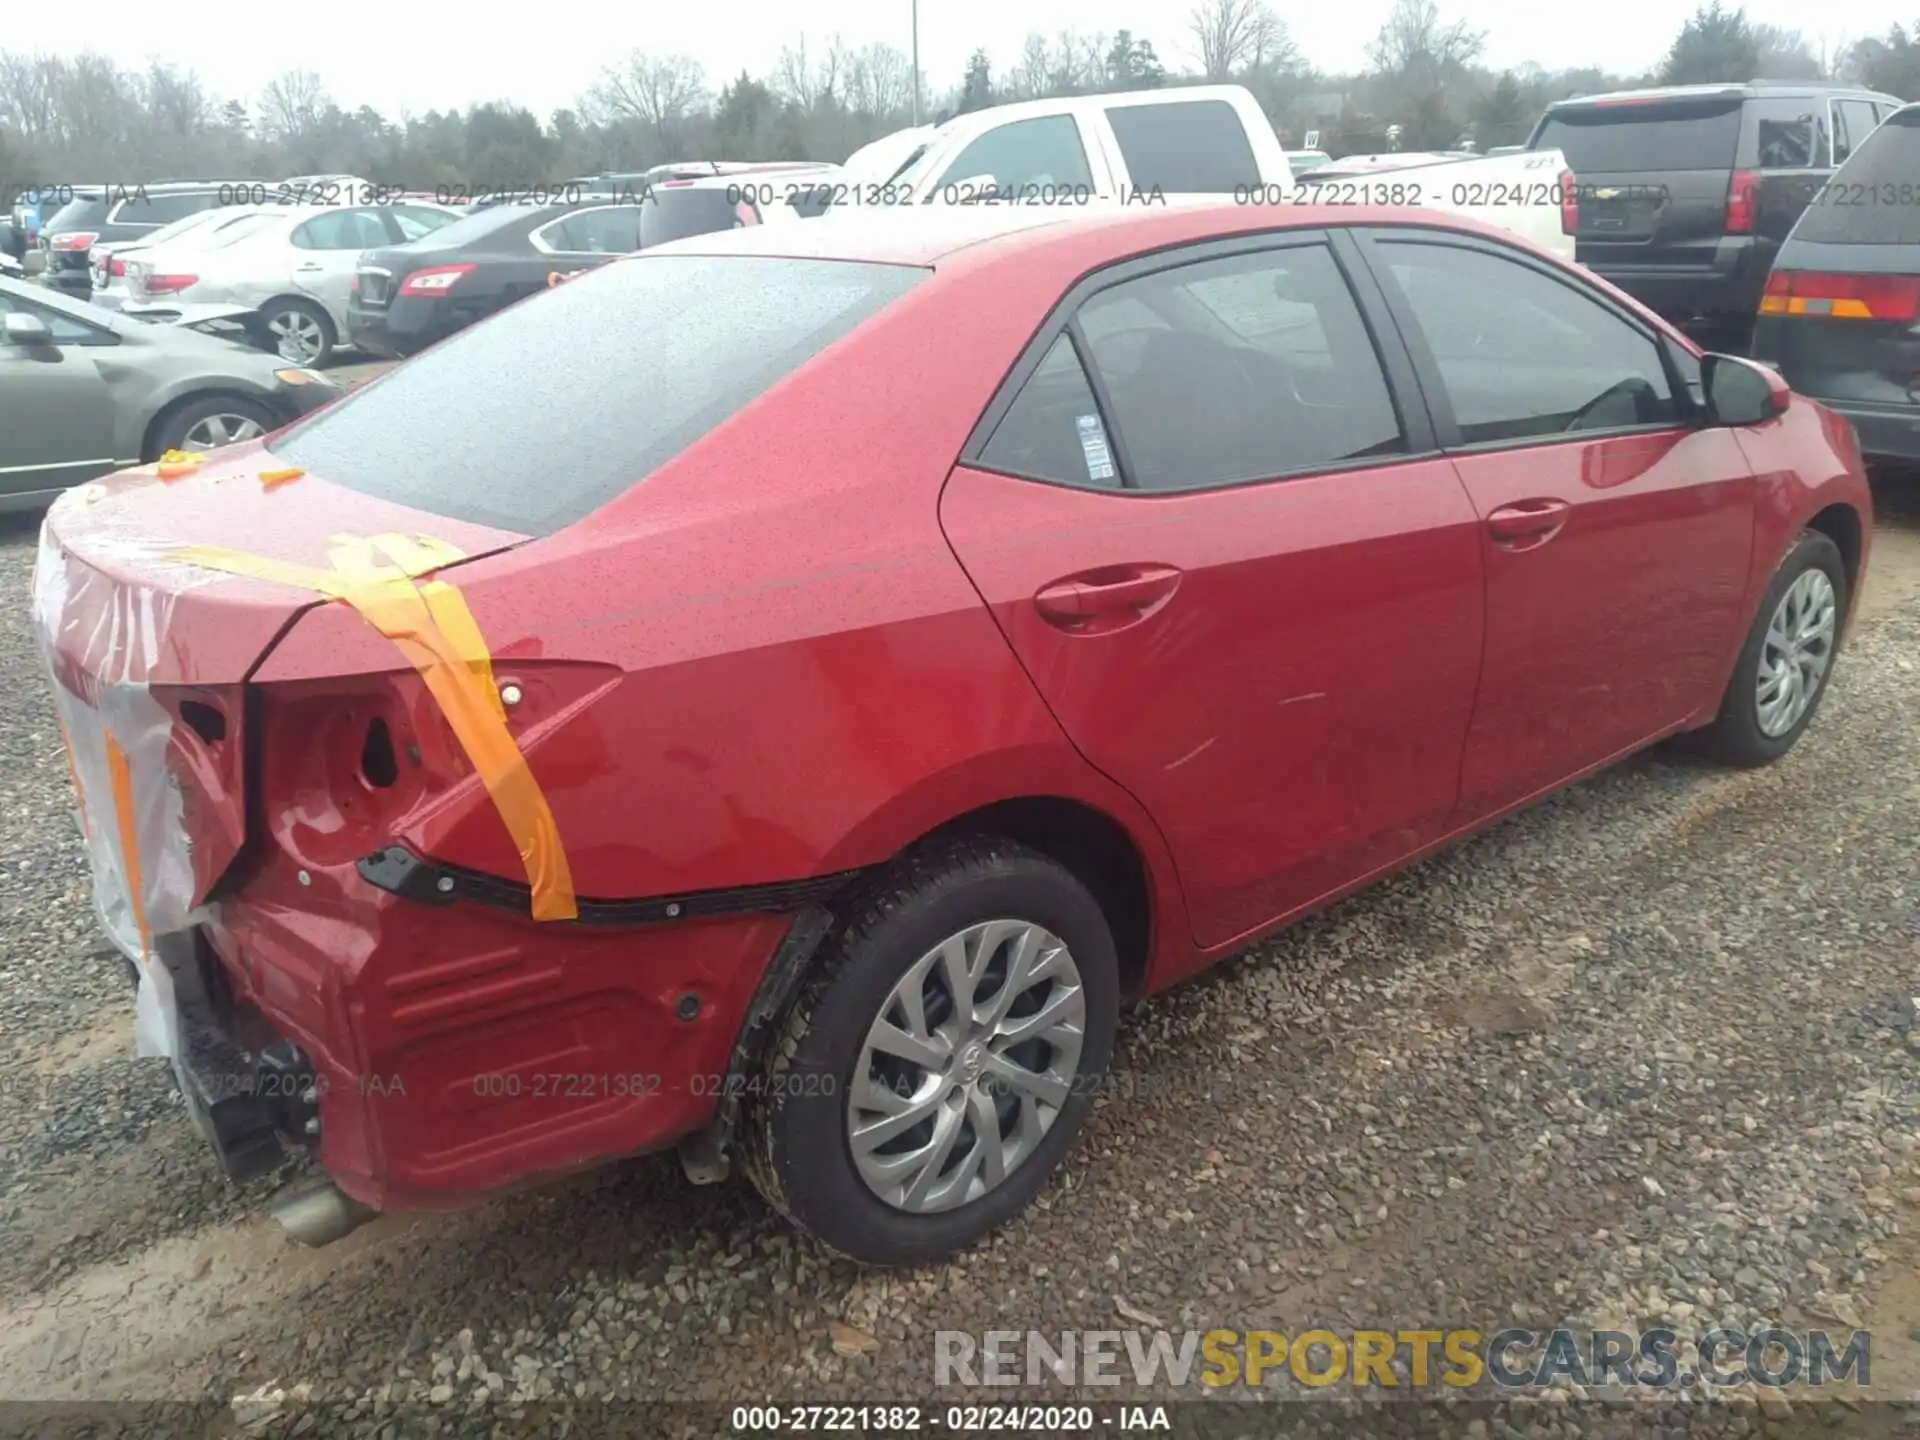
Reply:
x=929, y=235
x=1733, y=90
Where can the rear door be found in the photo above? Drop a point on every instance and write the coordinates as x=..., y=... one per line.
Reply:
x=1652, y=176
x=1839, y=319
x=325, y=251
x=1616, y=530
x=1234, y=566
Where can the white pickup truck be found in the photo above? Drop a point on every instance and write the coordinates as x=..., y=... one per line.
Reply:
x=1203, y=143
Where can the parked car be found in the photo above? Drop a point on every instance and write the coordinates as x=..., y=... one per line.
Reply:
x=12, y=267
x=115, y=213
x=845, y=792
x=108, y=260
x=1840, y=318
x=402, y=298
x=1526, y=194
x=30, y=211
x=293, y=265
x=1686, y=193
x=1186, y=145
x=84, y=392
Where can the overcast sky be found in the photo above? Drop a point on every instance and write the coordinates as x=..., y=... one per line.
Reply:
x=405, y=58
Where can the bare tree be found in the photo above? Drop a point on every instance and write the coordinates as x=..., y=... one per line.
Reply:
x=1416, y=45
x=661, y=91
x=292, y=104
x=27, y=85
x=807, y=80
x=1030, y=76
x=879, y=82
x=1235, y=35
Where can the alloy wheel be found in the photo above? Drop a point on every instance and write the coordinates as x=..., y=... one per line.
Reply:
x=297, y=336
x=1796, y=653
x=966, y=1066
x=217, y=430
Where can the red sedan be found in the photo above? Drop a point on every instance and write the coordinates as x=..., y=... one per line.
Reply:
x=779, y=695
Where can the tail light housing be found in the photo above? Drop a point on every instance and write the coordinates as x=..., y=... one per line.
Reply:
x=437, y=280
x=1842, y=297
x=73, y=240
x=1569, y=205
x=1740, y=202
x=116, y=267
x=167, y=284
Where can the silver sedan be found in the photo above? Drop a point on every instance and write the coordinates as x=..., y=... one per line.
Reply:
x=84, y=392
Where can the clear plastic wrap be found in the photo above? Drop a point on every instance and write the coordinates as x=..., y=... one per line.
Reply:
x=101, y=639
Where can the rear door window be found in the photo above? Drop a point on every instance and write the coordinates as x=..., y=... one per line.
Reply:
x=1025, y=155
x=413, y=221
x=606, y=230
x=1791, y=134
x=1633, y=138
x=1194, y=147
x=162, y=209
x=83, y=212
x=588, y=387
x=342, y=230
x=1853, y=121
x=1240, y=369
x=1873, y=199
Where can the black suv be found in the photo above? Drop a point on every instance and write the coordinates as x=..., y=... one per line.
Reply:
x=1685, y=194
x=114, y=213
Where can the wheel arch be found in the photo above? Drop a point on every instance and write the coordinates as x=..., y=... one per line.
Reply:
x=150, y=436
x=1842, y=524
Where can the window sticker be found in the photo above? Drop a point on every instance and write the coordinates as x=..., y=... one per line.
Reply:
x=1093, y=444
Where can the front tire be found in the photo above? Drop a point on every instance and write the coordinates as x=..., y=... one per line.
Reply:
x=211, y=423
x=933, y=1072
x=1787, y=662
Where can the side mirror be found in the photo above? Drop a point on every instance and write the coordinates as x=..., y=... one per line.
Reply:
x=1739, y=392
x=27, y=330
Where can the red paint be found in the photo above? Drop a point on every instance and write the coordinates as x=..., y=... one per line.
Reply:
x=772, y=660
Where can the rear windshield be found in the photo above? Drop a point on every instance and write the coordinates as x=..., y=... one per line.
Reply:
x=1873, y=199
x=479, y=225
x=1185, y=148
x=537, y=417
x=79, y=213
x=1627, y=139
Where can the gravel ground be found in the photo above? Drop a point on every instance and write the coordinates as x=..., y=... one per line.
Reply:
x=1645, y=1053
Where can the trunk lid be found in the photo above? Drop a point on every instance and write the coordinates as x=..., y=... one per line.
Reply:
x=150, y=654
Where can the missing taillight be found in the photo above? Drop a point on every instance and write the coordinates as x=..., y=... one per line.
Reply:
x=378, y=765
x=205, y=721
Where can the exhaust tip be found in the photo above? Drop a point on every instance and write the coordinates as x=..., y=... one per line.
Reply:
x=319, y=1214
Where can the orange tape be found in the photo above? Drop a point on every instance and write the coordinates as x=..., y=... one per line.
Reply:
x=122, y=783
x=178, y=464
x=274, y=479
x=433, y=627
x=73, y=773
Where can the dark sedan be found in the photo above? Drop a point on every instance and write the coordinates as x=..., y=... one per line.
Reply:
x=405, y=297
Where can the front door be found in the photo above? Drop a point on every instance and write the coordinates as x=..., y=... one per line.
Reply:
x=1616, y=530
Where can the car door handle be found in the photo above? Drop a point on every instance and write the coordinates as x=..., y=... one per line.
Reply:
x=1527, y=518
x=1115, y=591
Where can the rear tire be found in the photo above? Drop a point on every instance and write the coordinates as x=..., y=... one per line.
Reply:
x=1807, y=596
x=1035, y=931
x=298, y=332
